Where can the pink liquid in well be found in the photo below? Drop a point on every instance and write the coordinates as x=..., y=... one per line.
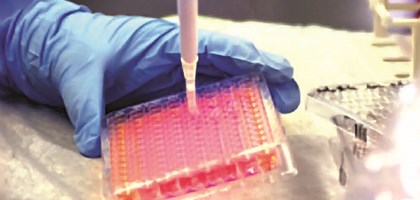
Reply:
x=148, y=192
x=169, y=188
x=161, y=142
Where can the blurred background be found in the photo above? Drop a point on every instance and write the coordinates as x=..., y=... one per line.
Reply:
x=339, y=14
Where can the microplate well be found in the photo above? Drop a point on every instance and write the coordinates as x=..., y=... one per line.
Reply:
x=159, y=150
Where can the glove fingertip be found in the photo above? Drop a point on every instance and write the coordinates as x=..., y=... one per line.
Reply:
x=90, y=148
x=286, y=96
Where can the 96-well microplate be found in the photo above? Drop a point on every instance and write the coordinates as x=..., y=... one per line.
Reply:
x=159, y=150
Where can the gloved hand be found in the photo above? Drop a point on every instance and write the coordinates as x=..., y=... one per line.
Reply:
x=60, y=54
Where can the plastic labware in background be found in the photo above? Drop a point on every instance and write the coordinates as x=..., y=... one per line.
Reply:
x=159, y=150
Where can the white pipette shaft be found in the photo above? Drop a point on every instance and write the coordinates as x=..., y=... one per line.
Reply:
x=188, y=12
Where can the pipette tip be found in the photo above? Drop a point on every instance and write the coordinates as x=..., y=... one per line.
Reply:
x=190, y=74
x=192, y=102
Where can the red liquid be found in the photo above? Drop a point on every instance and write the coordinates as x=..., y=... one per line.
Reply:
x=248, y=166
x=199, y=178
x=161, y=138
x=187, y=184
x=230, y=173
x=215, y=175
x=169, y=188
x=149, y=193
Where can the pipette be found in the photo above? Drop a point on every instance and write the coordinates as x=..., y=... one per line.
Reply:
x=188, y=12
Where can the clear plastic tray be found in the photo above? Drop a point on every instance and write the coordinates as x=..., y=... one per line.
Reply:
x=158, y=150
x=364, y=110
x=363, y=114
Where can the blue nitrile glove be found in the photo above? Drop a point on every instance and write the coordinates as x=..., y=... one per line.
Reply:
x=60, y=54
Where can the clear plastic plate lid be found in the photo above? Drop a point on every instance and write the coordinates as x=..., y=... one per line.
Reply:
x=377, y=137
x=159, y=150
x=366, y=110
